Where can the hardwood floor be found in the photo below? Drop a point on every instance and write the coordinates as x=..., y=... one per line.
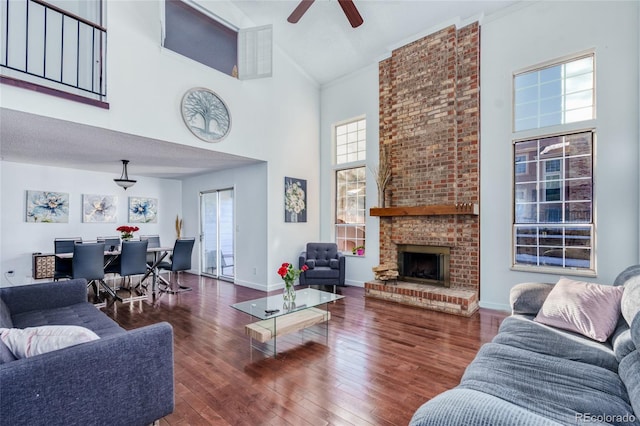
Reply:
x=382, y=361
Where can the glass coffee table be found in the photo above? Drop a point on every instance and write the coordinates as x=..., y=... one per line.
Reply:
x=275, y=317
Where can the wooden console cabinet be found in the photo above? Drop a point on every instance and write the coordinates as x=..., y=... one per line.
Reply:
x=44, y=265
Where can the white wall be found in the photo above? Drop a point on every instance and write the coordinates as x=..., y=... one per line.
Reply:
x=349, y=97
x=525, y=36
x=250, y=219
x=273, y=119
x=21, y=238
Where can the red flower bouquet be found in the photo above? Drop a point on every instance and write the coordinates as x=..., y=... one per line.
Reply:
x=126, y=232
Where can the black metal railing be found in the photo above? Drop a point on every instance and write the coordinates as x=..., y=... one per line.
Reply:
x=44, y=41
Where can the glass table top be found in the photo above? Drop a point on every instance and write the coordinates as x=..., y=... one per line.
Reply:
x=305, y=298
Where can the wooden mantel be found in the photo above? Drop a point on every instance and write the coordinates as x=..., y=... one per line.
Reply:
x=434, y=210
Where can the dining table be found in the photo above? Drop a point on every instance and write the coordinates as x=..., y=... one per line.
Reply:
x=153, y=270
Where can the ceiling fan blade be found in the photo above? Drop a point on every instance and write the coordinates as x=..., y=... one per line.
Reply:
x=299, y=11
x=352, y=13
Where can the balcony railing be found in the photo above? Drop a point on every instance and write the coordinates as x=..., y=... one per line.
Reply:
x=45, y=42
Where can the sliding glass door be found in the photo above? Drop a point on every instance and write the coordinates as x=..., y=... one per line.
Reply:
x=217, y=234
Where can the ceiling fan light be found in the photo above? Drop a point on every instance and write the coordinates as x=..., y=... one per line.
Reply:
x=124, y=181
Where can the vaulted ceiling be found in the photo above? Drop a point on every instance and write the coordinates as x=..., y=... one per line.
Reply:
x=322, y=43
x=326, y=47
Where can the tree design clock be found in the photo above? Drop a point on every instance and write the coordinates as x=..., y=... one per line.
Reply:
x=205, y=114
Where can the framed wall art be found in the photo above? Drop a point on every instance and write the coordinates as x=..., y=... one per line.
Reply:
x=295, y=200
x=143, y=210
x=99, y=208
x=47, y=207
x=205, y=114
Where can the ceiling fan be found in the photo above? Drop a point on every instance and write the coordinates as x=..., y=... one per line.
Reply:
x=347, y=6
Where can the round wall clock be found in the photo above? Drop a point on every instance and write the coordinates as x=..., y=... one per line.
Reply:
x=205, y=114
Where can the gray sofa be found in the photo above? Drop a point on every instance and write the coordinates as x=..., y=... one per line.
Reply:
x=533, y=374
x=123, y=378
x=326, y=265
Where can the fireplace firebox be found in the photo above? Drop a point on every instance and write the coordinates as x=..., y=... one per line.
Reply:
x=424, y=264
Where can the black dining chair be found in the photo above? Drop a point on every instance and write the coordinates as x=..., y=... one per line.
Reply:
x=180, y=261
x=88, y=263
x=133, y=260
x=63, y=267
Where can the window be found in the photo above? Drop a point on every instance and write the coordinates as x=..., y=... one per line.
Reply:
x=351, y=141
x=350, y=144
x=558, y=94
x=200, y=37
x=553, y=173
x=195, y=33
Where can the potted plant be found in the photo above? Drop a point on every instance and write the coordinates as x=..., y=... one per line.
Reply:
x=359, y=250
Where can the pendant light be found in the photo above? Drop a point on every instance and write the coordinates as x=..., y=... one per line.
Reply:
x=124, y=180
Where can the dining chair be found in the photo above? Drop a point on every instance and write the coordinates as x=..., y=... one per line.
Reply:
x=180, y=261
x=63, y=267
x=88, y=263
x=111, y=244
x=154, y=242
x=133, y=260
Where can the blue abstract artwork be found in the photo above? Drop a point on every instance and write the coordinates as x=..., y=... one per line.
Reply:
x=143, y=210
x=99, y=208
x=47, y=207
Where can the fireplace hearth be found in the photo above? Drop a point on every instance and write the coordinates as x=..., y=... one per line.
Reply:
x=424, y=264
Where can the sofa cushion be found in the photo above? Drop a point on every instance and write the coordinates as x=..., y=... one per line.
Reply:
x=549, y=386
x=469, y=407
x=322, y=252
x=630, y=303
x=311, y=263
x=322, y=272
x=528, y=298
x=82, y=314
x=621, y=340
x=521, y=332
x=631, y=272
x=630, y=374
x=5, y=315
x=31, y=341
x=334, y=263
x=586, y=308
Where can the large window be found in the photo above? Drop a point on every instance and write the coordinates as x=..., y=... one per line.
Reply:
x=553, y=173
x=350, y=149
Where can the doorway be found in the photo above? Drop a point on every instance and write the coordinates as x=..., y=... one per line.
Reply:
x=217, y=237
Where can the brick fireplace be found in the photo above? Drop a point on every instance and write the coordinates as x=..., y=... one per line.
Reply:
x=429, y=127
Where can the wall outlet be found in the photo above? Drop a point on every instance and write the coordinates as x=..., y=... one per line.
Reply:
x=11, y=273
x=254, y=271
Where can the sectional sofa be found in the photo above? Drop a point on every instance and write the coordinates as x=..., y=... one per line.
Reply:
x=533, y=373
x=119, y=377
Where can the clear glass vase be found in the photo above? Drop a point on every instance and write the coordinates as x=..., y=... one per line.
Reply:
x=289, y=294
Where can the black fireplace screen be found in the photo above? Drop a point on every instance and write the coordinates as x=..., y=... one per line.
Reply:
x=424, y=264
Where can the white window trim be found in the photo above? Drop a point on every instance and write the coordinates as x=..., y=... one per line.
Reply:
x=551, y=131
x=593, y=272
x=335, y=167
